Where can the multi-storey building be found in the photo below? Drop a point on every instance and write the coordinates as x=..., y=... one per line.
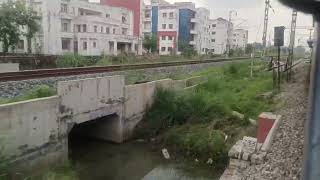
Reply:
x=221, y=35
x=202, y=35
x=179, y=23
x=240, y=39
x=78, y=26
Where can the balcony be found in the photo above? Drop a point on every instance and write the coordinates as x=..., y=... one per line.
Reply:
x=193, y=31
x=193, y=20
x=192, y=43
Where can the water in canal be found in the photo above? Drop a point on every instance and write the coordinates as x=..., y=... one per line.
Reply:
x=99, y=160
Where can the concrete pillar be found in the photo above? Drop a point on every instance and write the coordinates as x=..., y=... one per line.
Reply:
x=115, y=46
x=132, y=48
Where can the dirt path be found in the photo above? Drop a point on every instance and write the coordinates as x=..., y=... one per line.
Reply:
x=284, y=161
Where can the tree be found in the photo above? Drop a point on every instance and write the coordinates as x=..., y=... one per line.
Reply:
x=249, y=49
x=14, y=16
x=9, y=28
x=28, y=18
x=150, y=43
x=186, y=49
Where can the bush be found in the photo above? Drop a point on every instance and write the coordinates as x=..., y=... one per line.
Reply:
x=199, y=141
x=71, y=60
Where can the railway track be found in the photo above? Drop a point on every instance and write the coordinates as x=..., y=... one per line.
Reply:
x=46, y=73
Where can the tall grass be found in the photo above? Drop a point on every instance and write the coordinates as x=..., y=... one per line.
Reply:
x=194, y=120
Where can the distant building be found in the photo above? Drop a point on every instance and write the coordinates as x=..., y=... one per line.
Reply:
x=220, y=33
x=80, y=27
x=240, y=39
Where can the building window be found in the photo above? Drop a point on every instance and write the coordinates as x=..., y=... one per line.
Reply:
x=64, y=8
x=64, y=27
x=85, y=45
x=124, y=19
x=95, y=29
x=124, y=31
x=163, y=37
x=101, y=29
x=114, y=31
x=107, y=15
x=147, y=14
x=20, y=44
x=214, y=25
x=171, y=15
x=84, y=28
x=107, y=30
x=65, y=44
x=164, y=15
x=170, y=49
x=213, y=33
x=170, y=38
x=164, y=26
x=213, y=40
x=170, y=26
x=163, y=49
x=78, y=28
x=94, y=44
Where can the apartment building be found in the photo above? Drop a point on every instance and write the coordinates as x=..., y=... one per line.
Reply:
x=81, y=27
x=240, y=39
x=202, y=35
x=221, y=35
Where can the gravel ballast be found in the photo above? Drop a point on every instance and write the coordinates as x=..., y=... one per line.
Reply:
x=284, y=161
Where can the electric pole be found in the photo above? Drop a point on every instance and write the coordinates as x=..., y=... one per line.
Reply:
x=292, y=41
x=229, y=33
x=265, y=27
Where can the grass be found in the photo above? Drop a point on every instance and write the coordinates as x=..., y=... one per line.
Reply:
x=38, y=92
x=195, y=122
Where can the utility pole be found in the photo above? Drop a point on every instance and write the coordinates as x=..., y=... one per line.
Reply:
x=265, y=27
x=229, y=34
x=292, y=42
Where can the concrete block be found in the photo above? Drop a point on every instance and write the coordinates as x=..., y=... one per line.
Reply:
x=9, y=67
x=271, y=133
x=179, y=84
x=195, y=80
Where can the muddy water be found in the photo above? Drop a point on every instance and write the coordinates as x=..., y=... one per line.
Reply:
x=99, y=160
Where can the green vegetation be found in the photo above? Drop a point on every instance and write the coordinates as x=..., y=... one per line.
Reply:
x=38, y=92
x=196, y=121
x=150, y=43
x=64, y=172
x=71, y=60
x=14, y=16
x=187, y=50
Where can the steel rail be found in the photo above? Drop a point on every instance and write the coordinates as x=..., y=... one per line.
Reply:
x=47, y=73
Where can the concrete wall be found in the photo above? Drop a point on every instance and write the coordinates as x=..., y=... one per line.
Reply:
x=89, y=99
x=31, y=132
x=36, y=131
x=9, y=67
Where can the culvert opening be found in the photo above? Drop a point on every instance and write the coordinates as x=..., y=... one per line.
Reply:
x=91, y=133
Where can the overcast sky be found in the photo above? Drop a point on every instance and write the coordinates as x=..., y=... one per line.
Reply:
x=250, y=15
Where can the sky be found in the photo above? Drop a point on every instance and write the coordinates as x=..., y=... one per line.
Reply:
x=250, y=14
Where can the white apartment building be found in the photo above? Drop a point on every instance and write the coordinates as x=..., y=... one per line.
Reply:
x=147, y=20
x=240, y=39
x=220, y=33
x=201, y=33
x=77, y=26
